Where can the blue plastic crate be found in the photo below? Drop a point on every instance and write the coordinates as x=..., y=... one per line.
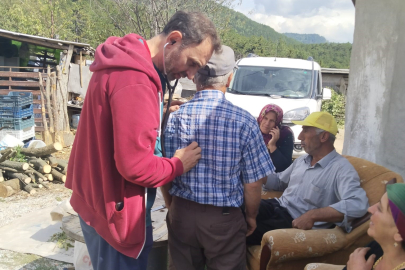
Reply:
x=17, y=123
x=16, y=99
x=16, y=112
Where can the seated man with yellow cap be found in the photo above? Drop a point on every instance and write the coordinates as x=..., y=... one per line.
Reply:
x=321, y=188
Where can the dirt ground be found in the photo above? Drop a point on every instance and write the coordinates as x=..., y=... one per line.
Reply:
x=16, y=206
x=19, y=204
x=22, y=203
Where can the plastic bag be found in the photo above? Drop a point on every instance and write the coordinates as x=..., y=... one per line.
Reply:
x=10, y=141
x=81, y=257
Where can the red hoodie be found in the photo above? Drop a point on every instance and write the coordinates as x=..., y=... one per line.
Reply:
x=112, y=157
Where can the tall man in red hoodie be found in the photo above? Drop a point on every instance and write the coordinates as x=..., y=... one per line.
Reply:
x=114, y=167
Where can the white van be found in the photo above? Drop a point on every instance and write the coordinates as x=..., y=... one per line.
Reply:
x=293, y=84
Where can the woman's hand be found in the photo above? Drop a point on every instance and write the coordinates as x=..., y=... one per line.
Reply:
x=275, y=133
x=357, y=260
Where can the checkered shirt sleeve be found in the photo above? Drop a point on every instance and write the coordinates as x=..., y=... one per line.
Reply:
x=256, y=162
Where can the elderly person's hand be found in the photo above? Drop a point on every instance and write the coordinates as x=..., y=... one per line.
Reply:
x=357, y=260
x=174, y=106
x=304, y=222
x=176, y=102
x=251, y=225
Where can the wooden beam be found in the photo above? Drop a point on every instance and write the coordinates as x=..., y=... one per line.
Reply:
x=63, y=76
x=28, y=67
x=38, y=110
x=20, y=83
x=35, y=41
x=39, y=129
x=39, y=120
x=21, y=74
x=48, y=101
x=81, y=70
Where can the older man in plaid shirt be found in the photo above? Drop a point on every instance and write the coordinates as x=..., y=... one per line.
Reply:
x=205, y=221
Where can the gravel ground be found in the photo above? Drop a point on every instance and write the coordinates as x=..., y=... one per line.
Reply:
x=21, y=203
x=10, y=260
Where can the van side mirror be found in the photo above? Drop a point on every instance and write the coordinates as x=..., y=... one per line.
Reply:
x=326, y=93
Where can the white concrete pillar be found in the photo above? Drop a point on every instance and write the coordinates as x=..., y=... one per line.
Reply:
x=375, y=110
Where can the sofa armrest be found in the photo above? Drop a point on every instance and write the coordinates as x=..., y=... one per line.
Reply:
x=293, y=244
x=359, y=221
x=323, y=266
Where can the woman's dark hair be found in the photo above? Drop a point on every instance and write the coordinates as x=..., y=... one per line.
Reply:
x=403, y=244
x=195, y=27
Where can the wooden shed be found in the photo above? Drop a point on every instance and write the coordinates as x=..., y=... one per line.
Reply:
x=53, y=70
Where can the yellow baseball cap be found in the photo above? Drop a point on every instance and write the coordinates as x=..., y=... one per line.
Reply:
x=322, y=120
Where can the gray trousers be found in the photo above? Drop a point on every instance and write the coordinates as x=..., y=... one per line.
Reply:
x=202, y=235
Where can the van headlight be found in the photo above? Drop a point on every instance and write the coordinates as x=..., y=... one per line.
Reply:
x=296, y=115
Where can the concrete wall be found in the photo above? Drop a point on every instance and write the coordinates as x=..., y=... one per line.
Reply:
x=375, y=110
x=337, y=82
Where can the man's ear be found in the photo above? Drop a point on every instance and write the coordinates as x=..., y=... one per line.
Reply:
x=324, y=136
x=174, y=37
x=228, y=83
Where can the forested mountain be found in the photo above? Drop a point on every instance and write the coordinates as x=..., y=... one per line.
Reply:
x=307, y=38
x=93, y=21
x=247, y=27
x=330, y=55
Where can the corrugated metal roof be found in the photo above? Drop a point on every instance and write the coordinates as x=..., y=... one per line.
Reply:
x=42, y=41
x=335, y=71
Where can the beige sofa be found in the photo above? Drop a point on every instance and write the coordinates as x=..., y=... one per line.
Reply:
x=294, y=249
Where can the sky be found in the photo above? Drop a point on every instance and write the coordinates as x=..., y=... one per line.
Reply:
x=332, y=19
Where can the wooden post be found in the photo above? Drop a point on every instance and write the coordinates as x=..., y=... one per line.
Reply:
x=81, y=70
x=65, y=78
x=47, y=135
x=59, y=121
x=63, y=134
x=62, y=99
x=54, y=98
x=48, y=100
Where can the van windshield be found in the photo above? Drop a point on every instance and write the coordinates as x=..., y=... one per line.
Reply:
x=269, y=81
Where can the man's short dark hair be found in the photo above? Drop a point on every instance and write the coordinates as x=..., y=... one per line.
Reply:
x=195, y=28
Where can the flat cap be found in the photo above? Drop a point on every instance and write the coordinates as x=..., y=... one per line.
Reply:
x=220, y=64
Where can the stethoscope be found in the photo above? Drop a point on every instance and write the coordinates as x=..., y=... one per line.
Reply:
x=170, y=89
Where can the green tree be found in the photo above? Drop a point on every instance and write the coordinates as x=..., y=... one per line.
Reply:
x=336, y=107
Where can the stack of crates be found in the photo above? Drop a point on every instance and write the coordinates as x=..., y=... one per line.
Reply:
x=17, y=115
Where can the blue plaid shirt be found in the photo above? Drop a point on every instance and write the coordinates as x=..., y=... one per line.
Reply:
x=233, y=150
